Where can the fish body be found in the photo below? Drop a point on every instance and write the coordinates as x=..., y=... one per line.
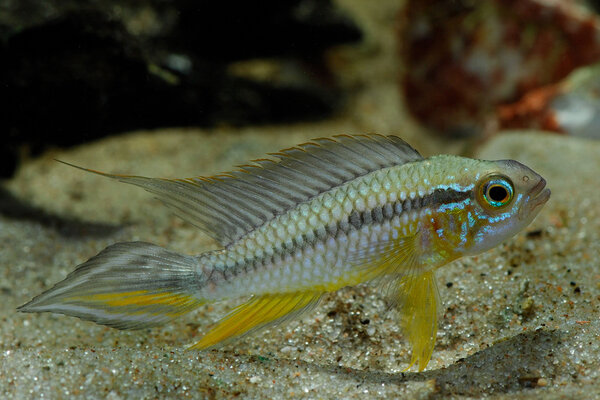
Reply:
x=318, y=244
x=315, y=218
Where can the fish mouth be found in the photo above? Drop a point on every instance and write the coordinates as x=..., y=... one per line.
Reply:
x=538, y=196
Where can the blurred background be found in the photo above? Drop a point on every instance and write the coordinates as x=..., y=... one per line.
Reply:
x=450, y=73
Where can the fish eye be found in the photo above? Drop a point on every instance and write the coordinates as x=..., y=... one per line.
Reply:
x=496, y=191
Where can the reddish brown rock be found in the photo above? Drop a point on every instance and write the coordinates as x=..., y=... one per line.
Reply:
x=465, y=58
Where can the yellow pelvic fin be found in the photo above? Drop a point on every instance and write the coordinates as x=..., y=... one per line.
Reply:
x=258, y=313
x=394, y=264
x=418, y=299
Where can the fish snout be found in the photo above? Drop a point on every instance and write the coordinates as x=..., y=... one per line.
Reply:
x=538, y=196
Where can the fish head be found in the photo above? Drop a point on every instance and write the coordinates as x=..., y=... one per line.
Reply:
x=506, y=198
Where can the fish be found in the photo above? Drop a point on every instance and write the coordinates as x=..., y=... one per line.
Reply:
x=303, y=222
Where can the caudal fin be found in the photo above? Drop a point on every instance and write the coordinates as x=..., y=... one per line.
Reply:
x=130, y=285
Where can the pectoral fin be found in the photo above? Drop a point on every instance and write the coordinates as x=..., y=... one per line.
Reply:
x=383, y=259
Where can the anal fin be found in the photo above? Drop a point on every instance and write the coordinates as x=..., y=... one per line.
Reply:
x=258, y=313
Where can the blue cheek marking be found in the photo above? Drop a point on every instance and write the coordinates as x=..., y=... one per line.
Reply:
x=464, y=230
x=455, y=186
x=451, y=206
x=471, y=218
x=499, y=217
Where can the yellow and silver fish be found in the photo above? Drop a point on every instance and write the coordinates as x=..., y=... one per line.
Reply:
x=314, y=218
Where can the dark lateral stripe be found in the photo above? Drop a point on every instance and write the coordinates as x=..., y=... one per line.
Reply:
x=437, y=198
x=356, y=220
x=446, y=196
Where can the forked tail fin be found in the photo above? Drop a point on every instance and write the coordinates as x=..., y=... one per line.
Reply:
x=130, y=285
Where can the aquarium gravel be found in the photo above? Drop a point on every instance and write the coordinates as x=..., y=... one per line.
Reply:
x=519, y=321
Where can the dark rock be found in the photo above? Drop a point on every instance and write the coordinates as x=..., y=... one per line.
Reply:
x=76, y=71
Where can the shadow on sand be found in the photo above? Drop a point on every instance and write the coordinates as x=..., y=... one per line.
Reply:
x=506, y=366
x=15, y=208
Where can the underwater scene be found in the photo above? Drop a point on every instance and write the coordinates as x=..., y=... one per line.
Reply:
x=321, y=199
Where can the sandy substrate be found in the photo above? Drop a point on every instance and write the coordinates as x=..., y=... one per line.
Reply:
x=520, y=321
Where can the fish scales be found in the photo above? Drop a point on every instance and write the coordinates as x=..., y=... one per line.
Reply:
x=298, y=250
x=314, y=218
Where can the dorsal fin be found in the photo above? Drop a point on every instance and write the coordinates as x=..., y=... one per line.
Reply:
x=228, y=206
